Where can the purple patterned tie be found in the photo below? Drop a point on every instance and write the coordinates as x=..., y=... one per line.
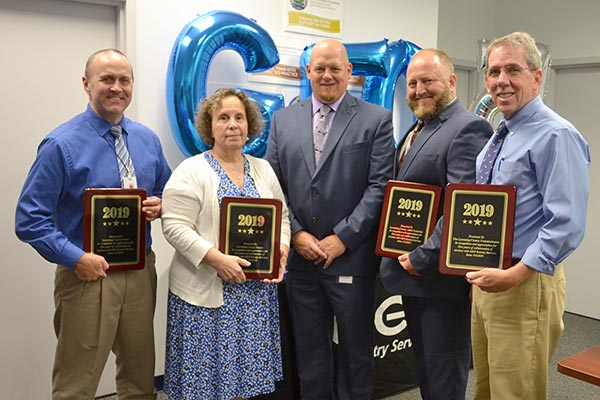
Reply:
x=320, y=131
x=485, y=171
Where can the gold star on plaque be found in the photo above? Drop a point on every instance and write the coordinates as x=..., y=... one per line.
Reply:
x=477, y=222
x=250, y=231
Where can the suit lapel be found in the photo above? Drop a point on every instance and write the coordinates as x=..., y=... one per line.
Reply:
x=340, y=123
x=430, y=128
x=426, y=133
x=305, y=122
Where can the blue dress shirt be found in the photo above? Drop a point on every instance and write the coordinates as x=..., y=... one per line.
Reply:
x=547, y=160
x=80, y=154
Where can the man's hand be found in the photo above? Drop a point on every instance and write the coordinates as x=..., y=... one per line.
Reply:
x=91, y=267
x=333, y=247
x=152, y=208
x=499, y=280
x=404, y=261
x=308, y=247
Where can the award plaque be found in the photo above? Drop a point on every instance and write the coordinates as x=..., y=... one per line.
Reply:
x=114, y=227
x=408, y=217
x=251, y=229
x=478, y=228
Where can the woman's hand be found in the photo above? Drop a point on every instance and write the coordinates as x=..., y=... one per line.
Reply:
x=229, y=268
x=283, y=251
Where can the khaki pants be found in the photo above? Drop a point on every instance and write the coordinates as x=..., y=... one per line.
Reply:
x=93, y=318
x=514, y=334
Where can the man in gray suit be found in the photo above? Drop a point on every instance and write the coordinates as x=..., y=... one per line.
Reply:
x=437, y=307
x=334, y=192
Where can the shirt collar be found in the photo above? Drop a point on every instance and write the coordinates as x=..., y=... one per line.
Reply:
x=316, y=104
x=523, y=114
x=100, y=125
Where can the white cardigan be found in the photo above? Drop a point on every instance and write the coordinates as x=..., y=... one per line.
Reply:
x=190, y=222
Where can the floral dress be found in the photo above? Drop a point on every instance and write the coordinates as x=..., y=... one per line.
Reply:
x=230, y=351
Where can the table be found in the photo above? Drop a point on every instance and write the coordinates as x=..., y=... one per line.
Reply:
x=584, y=366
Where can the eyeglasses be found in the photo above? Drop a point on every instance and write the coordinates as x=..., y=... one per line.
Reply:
x=512, y=70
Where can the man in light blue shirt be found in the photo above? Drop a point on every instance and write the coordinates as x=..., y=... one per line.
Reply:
x=517, y=312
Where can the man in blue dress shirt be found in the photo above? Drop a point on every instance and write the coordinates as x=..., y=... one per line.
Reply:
x=517, y=312
x=96, y=310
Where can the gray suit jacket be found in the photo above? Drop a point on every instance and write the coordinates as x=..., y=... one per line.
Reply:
x=444, y=152
x=343, y=195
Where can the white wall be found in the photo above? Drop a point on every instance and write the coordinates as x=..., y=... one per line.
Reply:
x=150, y=28
x=41, y=69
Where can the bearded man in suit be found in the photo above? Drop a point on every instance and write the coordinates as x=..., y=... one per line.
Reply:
x=443, y=151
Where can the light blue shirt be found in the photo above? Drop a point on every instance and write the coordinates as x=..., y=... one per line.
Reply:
x=547, y=160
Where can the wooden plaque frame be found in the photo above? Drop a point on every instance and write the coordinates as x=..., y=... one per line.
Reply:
x=115, y=227
x=408, y=217
x=478, y=228
x=250, y=228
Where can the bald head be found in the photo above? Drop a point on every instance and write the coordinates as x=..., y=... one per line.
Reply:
x=329, y=70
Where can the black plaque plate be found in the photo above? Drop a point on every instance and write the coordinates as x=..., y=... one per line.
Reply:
x=251, y=229
x=408, y=217
x=478, y=228
x=114, y=226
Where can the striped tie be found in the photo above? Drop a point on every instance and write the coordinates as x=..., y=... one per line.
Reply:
x=123, y=159
x=485, y=170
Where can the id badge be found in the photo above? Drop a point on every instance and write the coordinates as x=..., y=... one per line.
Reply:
x=129, y=182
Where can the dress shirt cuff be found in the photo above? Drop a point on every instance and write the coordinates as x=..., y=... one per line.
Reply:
x=69, y=255
x=539, y=263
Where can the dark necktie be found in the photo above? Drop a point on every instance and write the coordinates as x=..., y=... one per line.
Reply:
x=320, y=131
x=123, y=158
x=410, y=139
x=485, y=171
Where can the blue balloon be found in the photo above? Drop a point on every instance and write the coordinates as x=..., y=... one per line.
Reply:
x=382, y=64
x=267, y=104
x=195, y=47
x=380, y=90
x=370, y=59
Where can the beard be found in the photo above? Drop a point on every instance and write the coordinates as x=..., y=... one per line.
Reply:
x=429, y=112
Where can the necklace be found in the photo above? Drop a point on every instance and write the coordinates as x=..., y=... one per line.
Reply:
x=233, y=169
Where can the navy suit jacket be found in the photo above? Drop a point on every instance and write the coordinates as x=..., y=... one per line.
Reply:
x=444, y=152
x=344, y=194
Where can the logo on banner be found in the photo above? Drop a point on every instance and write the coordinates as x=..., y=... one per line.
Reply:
x=389, y=321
